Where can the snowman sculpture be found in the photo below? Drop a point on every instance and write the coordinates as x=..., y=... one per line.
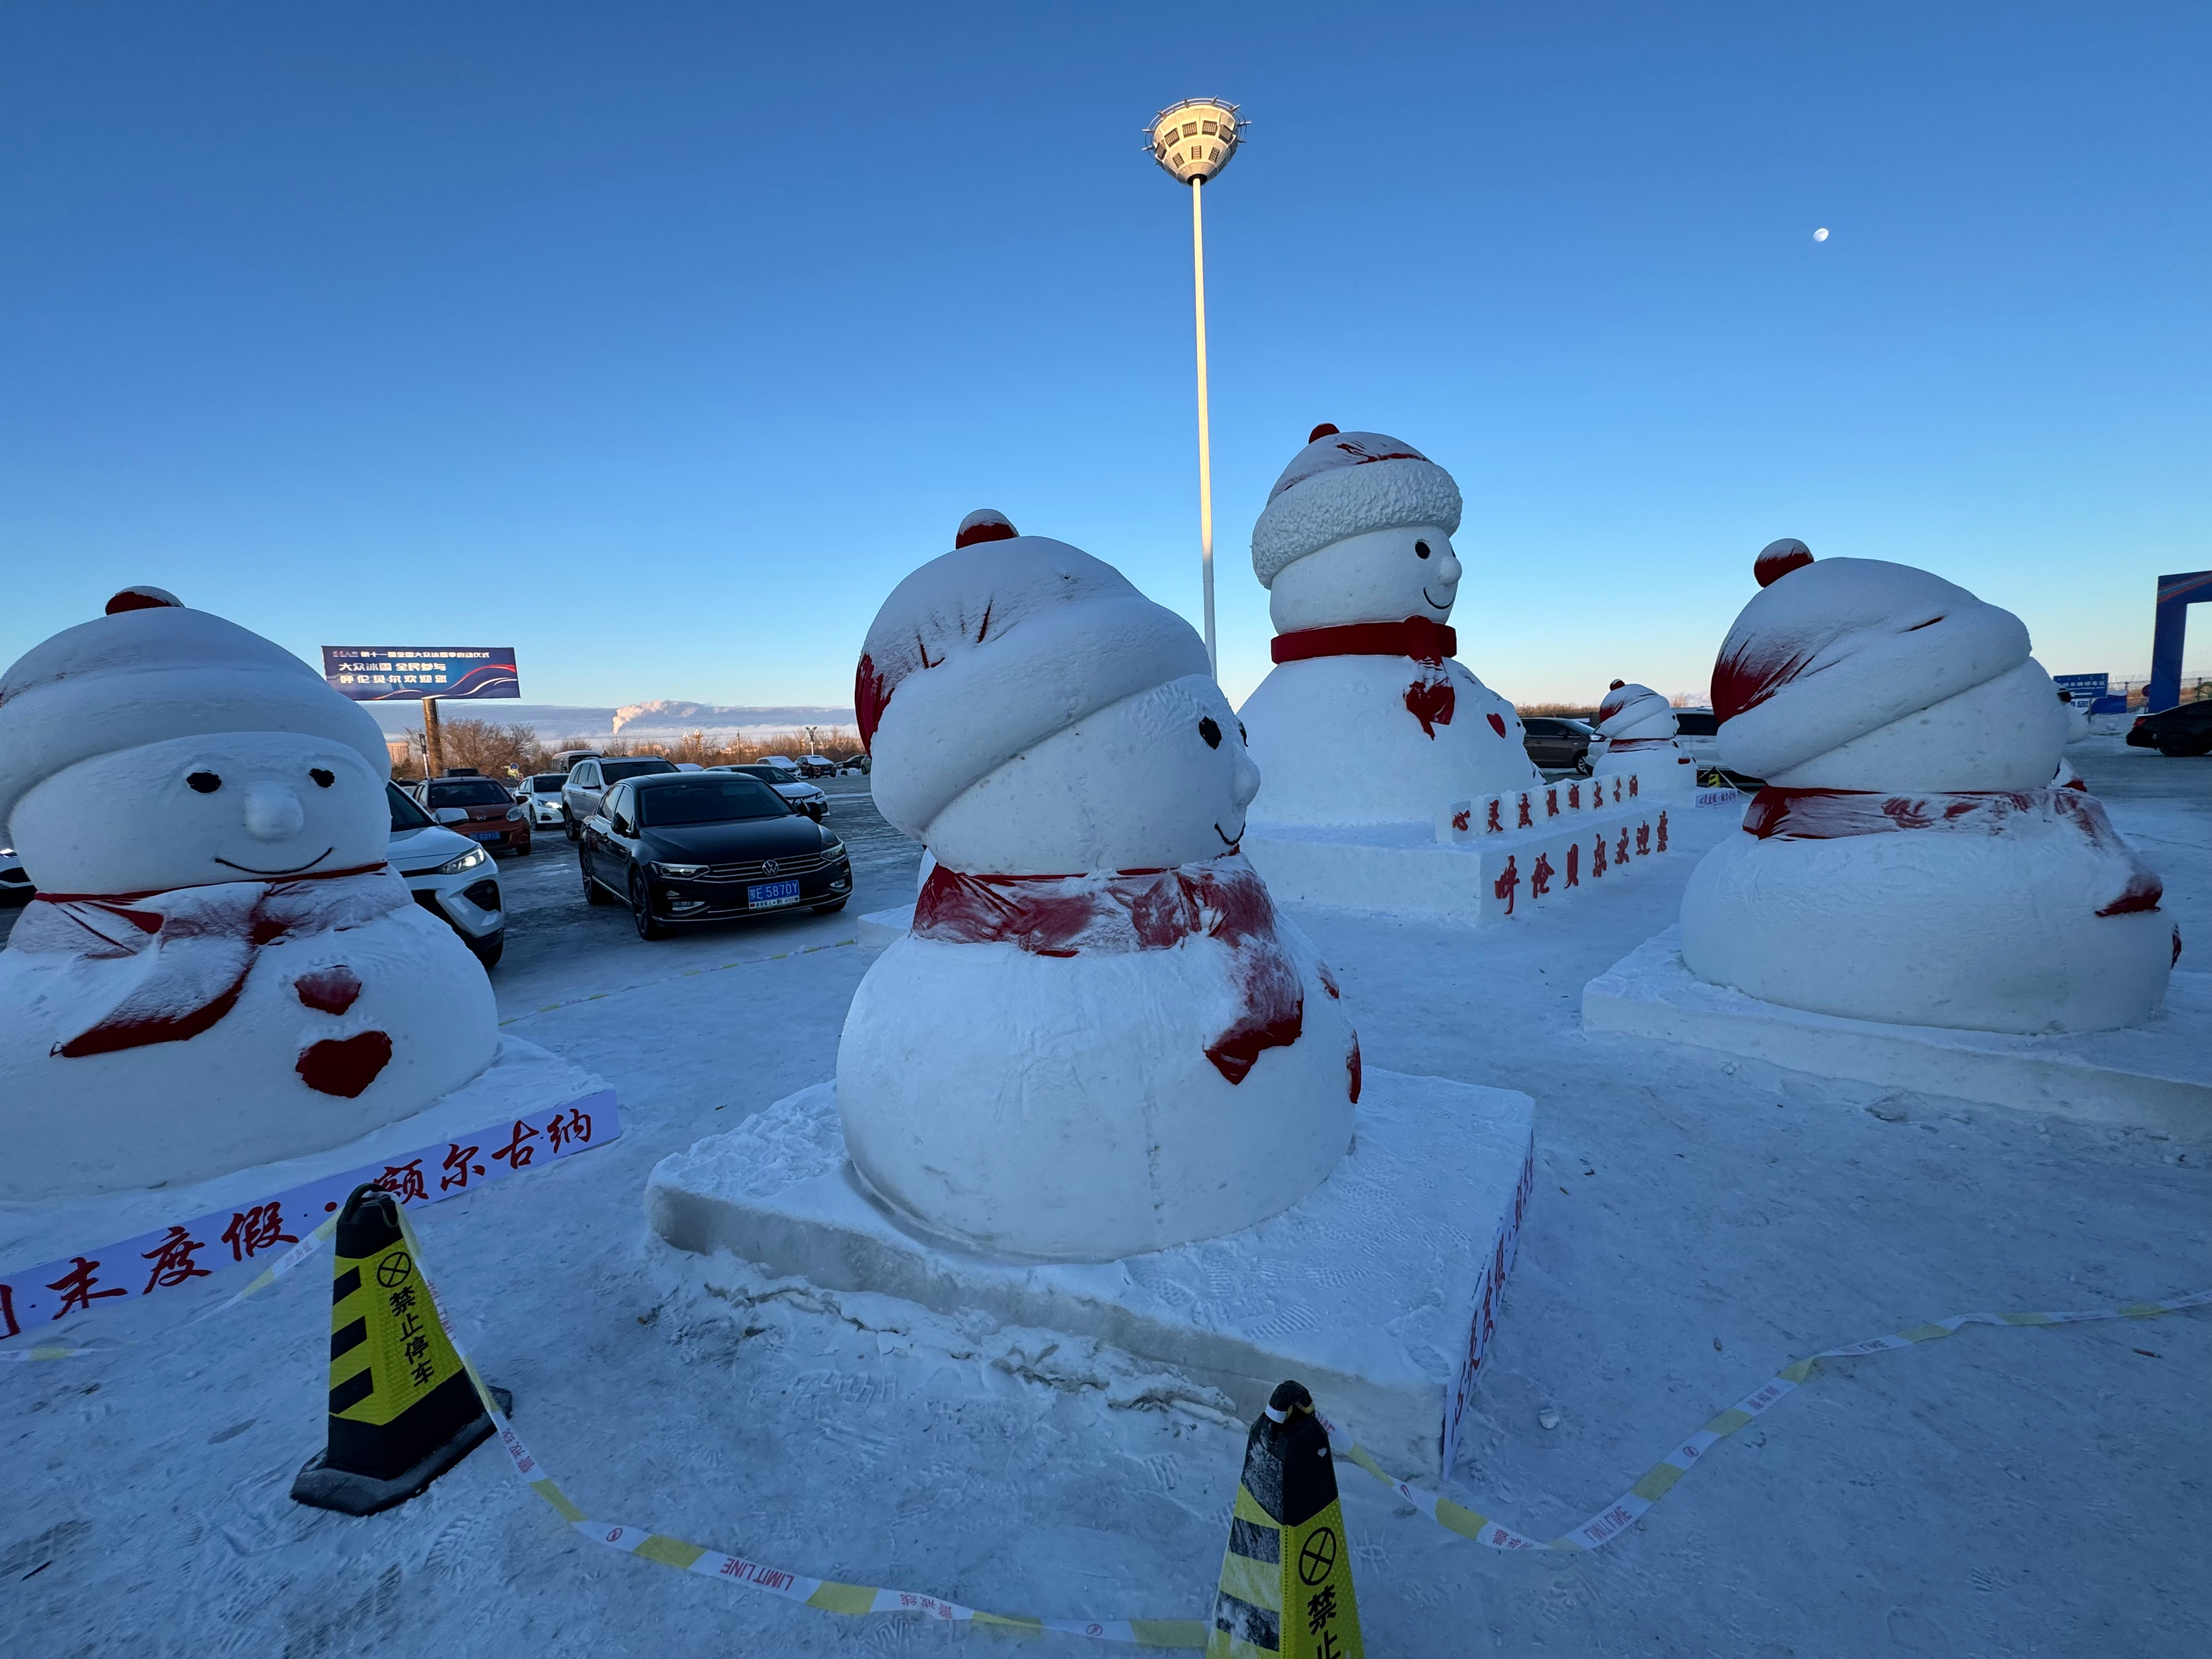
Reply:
x=1638, y=726
x=1366, y=717
x=1908, y=859
x=219, y=969
x=1099, y=1037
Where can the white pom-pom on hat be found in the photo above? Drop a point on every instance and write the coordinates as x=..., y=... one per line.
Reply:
x=989, y=649
x=1344, y=484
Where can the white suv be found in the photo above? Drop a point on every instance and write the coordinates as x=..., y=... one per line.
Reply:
x=450, y=876
x=541, y=798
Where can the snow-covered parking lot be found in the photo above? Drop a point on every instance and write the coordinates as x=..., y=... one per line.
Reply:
x=1698, y=1221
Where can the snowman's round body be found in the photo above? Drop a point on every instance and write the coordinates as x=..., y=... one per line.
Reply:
x=1362, y=738
x=1638, y=726
x=1100, y=1039
x=1912, y=864
x=220, y=969
x=1366, y=718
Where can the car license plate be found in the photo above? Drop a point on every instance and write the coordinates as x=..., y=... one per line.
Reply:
x=772, y=892
x=486, y=835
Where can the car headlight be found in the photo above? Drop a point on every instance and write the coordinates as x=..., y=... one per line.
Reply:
x=834, y=848
x=680, y=872
x=460, y=861
x=514, y=814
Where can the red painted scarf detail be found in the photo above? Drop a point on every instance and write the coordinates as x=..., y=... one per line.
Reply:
x=1432, y=701
x=1126, y=910
x=1417, y=637
x=200, y=942
x=1830, y=814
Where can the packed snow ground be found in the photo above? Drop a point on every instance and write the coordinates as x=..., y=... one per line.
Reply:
x=1699, y=1220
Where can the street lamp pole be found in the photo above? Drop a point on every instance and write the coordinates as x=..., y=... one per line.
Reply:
x=1204, y=432
x=1193, y=141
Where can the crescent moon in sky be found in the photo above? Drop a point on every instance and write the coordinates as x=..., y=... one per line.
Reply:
x=1821, y=234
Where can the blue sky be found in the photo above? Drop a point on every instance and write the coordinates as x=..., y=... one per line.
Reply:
x=661, y=341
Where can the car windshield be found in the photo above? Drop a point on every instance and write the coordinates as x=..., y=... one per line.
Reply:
x=1696, y=722
x=703, y=799
x=406, y=814
x=547, y=783
x=466, y=791
x=771, y=774
x=614, y=771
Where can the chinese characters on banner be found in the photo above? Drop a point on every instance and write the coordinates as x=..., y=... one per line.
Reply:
x=168, y=1257
x=1483, y=1317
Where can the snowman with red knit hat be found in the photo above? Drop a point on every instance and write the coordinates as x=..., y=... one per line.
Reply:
x=1638, y=726
x=1367, y=717
x=1099, y=1037
x=1908, y=861
x=219, y=969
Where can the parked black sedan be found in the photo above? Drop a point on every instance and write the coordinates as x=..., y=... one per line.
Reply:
x=685, y=846
x=2184, y=729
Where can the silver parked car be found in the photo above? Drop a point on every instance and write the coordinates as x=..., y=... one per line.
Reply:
x=589, y=780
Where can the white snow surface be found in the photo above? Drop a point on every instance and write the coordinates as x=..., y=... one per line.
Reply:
x=1698, y=1221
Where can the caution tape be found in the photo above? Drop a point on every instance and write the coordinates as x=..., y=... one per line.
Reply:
x=268, y=1276
x=827, y=1594
x=670, y=979
x=1622, y=1512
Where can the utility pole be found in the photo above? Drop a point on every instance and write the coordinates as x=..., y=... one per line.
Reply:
x=434, y=747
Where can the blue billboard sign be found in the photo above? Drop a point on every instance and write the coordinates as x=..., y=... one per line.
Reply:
x=2086, y=688
x=384, y=673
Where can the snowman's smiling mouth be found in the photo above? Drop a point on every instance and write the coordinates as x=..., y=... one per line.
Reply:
x=1230, y=842
x=1433, y=603
x=294, y=870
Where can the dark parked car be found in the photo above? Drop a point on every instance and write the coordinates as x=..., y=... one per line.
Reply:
x=487, y=812
x=708, y=846
x=2184, y=729
x=591, y=778
x=1558, y=746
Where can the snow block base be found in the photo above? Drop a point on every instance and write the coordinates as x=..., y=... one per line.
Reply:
x=322, y=1487
x=880, y=928
x=2153, y=1076
x=1402, y=869
x=1379, y=1291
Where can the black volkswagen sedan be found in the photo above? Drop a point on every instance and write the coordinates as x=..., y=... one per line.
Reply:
x=684, y=846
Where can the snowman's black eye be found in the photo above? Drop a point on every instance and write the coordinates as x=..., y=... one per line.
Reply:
x=1420, y=549
x=1210, y=732
x=323, y=779
x=206, y=783
x=1242, y=736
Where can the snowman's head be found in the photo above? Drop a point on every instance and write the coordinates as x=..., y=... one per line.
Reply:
x=1159, y=779
x=158, y=746
x=1357, y=529
x=1377, y=576
x=190, y=812
x=1031, y=712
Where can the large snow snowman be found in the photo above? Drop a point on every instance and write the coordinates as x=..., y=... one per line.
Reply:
x=1908, y=861
x=1367, y=717
x=1638, y=726
x=1100, y=1038
x=219, y=970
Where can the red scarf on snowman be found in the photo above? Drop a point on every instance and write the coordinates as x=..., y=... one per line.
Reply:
x=197, y=945
x=1117, y=911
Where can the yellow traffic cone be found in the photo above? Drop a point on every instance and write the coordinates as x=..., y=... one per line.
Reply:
x=1287, y=1577
x=403, y=1411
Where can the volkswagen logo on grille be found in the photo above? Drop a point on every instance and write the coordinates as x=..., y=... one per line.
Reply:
x=769, y=867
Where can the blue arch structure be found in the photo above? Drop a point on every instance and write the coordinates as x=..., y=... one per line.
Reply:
x=2175, y=595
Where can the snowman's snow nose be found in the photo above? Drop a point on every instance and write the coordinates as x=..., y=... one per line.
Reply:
x=272, y=812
